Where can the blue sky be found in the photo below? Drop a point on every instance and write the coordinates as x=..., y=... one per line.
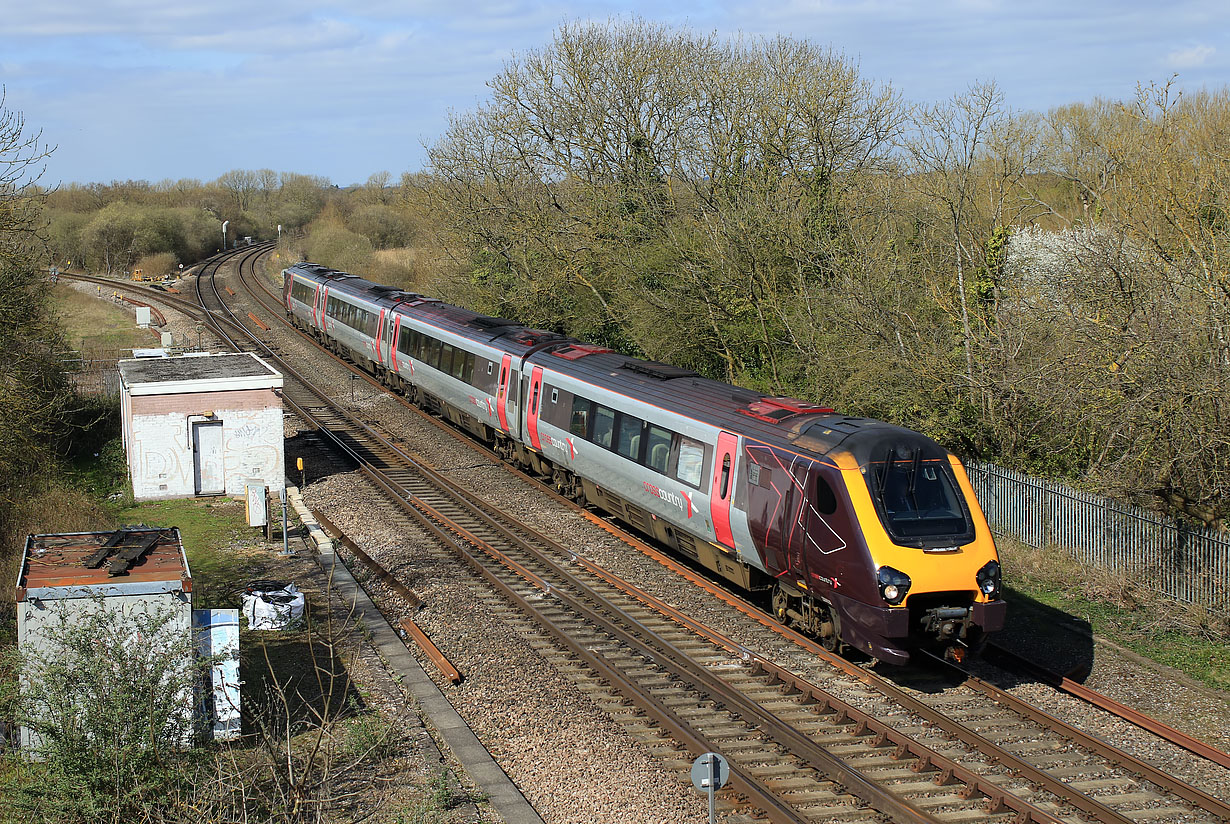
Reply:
x=149, y=90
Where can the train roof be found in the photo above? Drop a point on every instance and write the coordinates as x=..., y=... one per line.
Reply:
x=773, y=419
x=510, y=335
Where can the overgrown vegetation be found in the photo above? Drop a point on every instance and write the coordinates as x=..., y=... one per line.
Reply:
x=108, y=714
x=1047, y=291
x=37, y=408
x=312, y=751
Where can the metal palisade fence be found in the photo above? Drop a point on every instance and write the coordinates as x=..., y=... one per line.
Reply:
x=1189, y=564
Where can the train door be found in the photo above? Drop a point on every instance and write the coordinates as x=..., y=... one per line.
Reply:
x=501, y=392
x=723, y=490
x=820, y=515
x=289, y=281
x=531, y=407
x=324, y=305
x=381, y=337
x=396, y=326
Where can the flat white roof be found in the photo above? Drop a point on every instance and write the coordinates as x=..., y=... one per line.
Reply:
x=197, y=373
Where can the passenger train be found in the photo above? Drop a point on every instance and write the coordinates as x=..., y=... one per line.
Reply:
x=860, y=532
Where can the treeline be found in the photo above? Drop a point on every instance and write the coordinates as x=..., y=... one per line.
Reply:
x=114, y=228
x=1048, y=291
x=37, y=410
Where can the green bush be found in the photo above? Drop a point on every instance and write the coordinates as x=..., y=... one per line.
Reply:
x=107, y=699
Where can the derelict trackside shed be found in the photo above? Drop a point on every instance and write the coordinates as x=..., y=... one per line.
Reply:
x=64, y=576
x=201, y=425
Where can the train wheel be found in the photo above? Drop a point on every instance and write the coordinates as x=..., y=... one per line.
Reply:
x=827, y=629
x=781, y=604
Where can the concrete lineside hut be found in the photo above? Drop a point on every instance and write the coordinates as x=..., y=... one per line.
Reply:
x=197, y=425
x=65, y=576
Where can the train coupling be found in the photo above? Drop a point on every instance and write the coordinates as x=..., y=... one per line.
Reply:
x=947, y=624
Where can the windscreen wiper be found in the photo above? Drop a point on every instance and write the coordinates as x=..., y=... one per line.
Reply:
x=914, y=474
x=883, y=479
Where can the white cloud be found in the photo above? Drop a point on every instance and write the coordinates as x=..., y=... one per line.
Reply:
x=1190, y=57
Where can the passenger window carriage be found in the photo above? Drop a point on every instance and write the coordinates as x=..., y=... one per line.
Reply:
x=629, y=443
x=665, y=452
x=657, y=449
x=579, y=425
x=691, y=461
x=604, y=427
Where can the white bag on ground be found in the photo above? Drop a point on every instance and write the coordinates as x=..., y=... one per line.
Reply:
x=272, y=605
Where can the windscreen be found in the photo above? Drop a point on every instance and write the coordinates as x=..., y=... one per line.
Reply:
x=917, y=496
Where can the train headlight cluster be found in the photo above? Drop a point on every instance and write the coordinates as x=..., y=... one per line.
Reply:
x=894, y=584
x=989, y=579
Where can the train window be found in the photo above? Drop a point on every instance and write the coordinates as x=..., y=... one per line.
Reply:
x=417, y=348
x=467, y=369
x=579, y=424
x=604, y=426
x=628, y=443
x=534, y=398
x=404, y=339
x=825, y=501
x=446, y=358
x=691, y=461
x=917, y=496
x=301, y=292
x=454, y=361
x=725, y=477
x=431, y=352
x=657, y=448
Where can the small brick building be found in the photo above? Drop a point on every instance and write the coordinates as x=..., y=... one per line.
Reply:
x=201, y=425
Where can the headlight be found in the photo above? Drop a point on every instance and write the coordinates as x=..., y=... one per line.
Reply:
x=989, y=579
x=893, y=584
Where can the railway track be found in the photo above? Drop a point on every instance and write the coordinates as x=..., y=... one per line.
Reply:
x=1084, y=773
x=1057, y=759
x=801, y=753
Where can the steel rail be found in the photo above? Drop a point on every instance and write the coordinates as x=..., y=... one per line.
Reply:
x=1107, y=704
x=1191, y=794
x=452, y=533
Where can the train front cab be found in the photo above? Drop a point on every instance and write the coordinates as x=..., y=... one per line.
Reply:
x=937, y=575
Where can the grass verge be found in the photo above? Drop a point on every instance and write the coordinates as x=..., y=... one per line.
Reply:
x=1049, y=591
x=97, y=324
